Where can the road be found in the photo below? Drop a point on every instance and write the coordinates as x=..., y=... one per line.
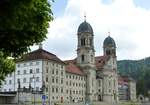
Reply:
x=145, y=103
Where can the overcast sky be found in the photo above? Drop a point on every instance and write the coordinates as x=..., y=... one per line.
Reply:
x=127, y=20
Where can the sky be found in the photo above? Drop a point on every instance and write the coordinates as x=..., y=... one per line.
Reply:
x=127, y=20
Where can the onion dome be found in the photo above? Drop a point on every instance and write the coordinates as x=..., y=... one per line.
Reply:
x=85, y=27
x=109, y=42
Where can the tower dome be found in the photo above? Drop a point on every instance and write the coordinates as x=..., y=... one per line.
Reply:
x=85, y=27
x=109, y=42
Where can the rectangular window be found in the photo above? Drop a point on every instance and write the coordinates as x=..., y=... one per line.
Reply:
x=31, y=79
x=62, y=81
x=9, y=81
x=99, y=83
x=53, y=89
x=37, y=79
x=25, y=64
x=56, y=71
x=46, y=89
x=73, y=76
x=24, y=80
x=18, y=65
x=37, y=88
x=67, y=91
x=61, y=66
x=61, y=90
x=52, y=71
x=31, y=63
x=31, y=71
x=70, y=83
x=37, y=63
x=37, y=70
x=47, y=70
x=56, y=89
x=46, y=79
x=56, y=80
x=18, y=80
x=53, y=80
x=18, y=72
x=24, y=72
x=61, y=73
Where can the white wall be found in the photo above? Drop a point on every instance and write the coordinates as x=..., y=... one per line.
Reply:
x=28, y=65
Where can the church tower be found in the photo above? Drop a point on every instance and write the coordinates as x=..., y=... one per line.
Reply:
x=110, y=80
x=85, y=49
x=109, y=47
x=86, y=58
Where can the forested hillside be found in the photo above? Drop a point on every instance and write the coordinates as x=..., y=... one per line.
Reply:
x=139, y=70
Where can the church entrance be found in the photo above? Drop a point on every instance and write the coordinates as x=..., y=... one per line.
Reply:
x=99, y=97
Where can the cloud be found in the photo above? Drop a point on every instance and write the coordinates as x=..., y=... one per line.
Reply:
x=128, y=24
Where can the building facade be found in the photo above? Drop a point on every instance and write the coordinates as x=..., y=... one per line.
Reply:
x=127, y=88
x=86, y=78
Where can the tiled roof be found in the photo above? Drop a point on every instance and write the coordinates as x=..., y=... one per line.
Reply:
x=72, y=68
x=39, y=54
x=123, y=79
x=71, y=61
x=100, y=61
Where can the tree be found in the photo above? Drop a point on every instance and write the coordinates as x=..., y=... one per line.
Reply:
x=22, y=24
x=6, y=66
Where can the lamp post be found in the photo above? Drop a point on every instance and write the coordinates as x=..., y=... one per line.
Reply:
x=43, y=94
x=34, y=90
x=18, y=92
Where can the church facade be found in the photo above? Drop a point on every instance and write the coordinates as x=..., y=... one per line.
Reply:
x=86, y=78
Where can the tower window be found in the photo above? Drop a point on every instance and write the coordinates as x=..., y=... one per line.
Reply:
x=91, y=58
x=91, y=41
x=82, y=58
x=108, y=52
x=82, y=41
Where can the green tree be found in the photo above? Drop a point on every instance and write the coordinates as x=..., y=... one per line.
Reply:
x=22, y=24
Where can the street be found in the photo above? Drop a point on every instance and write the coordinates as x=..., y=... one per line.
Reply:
x=145, y=103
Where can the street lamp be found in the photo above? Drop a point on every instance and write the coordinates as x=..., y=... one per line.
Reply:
x=34, y=90
x=18, y=91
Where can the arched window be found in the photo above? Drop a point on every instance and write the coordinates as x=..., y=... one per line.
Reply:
x=82, y=58
x=82, y=41
x=91, y=41
x=107, y=52
x=91, y=58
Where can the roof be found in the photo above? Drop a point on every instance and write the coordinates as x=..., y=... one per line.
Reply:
x=73, y=68
x=124, y=79
x=85, y=27
x=100, y=61
x=109, y=41
x=39, y=54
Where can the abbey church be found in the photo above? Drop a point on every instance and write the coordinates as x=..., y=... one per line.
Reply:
x=101, y=71
x=87, y=78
